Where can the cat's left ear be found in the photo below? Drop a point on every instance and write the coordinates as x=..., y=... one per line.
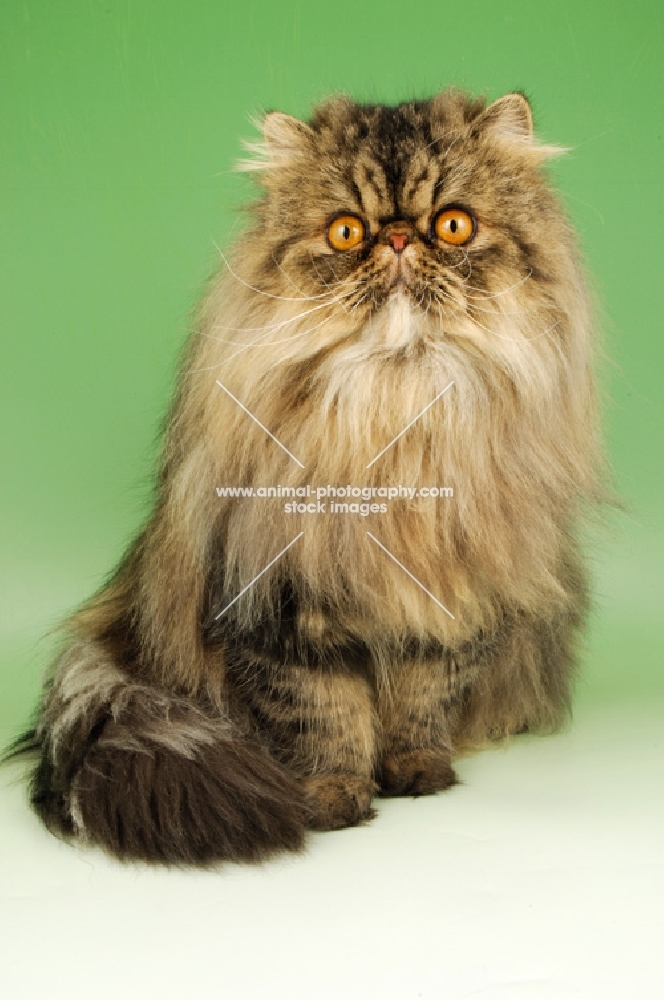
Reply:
x=284, y=139
x=510, y=120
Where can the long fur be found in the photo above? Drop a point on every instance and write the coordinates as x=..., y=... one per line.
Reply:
x=168, y=733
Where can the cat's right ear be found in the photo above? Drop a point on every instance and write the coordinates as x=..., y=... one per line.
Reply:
x=284, y=139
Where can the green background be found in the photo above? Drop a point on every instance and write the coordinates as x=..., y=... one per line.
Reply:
x=119, y=126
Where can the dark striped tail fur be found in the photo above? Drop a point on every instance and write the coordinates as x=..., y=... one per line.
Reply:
x=150, y=775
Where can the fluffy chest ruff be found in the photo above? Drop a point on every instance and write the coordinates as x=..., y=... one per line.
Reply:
x=398, y=404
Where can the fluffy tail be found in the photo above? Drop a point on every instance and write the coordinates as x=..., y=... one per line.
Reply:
x=151, y=776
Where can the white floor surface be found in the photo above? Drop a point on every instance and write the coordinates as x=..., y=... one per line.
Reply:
x=540, y=877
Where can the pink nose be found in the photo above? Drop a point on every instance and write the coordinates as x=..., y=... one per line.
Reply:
x=398, y=241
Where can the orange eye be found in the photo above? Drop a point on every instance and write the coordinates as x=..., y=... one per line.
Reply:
x=345, y=232
x=455, y=226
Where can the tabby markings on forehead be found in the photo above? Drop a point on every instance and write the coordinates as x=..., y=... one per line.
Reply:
x=372, y=184
x=413, y=196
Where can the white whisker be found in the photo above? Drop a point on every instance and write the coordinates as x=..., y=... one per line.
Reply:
x=327, y=285
x=255, y=343
x=442, y=290
x=439, y=137
x=260, y=291
x=270, y=329
x=287, y=277
x=271, y=326
x=482, y=296
x=516, y=340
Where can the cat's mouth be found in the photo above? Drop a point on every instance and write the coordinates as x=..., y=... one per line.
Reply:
x=399, y=275
x=397, y=304
x=396, y=279
x=397, y=285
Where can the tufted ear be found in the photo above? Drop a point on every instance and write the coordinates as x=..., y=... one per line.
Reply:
x=284, y=134
x=284, y=138
x=510, y=120
x=509, y=117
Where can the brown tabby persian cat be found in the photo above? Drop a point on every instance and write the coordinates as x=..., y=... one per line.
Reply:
x=253, y=670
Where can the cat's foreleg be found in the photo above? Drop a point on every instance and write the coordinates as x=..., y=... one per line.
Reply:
x=320, y=721
x=414, y=710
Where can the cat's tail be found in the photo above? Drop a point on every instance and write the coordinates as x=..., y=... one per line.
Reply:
x=150, y=776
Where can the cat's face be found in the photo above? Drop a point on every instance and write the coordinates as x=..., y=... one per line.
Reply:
x=439, y=203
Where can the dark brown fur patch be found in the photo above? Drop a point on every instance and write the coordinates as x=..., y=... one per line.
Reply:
x=416, y=772
x=153, y=776
x=228, y=803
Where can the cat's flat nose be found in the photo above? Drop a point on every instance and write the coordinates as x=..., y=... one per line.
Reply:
x=399, y=241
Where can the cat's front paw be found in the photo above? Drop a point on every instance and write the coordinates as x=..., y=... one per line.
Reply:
x=416, y=772
x=337, y=800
